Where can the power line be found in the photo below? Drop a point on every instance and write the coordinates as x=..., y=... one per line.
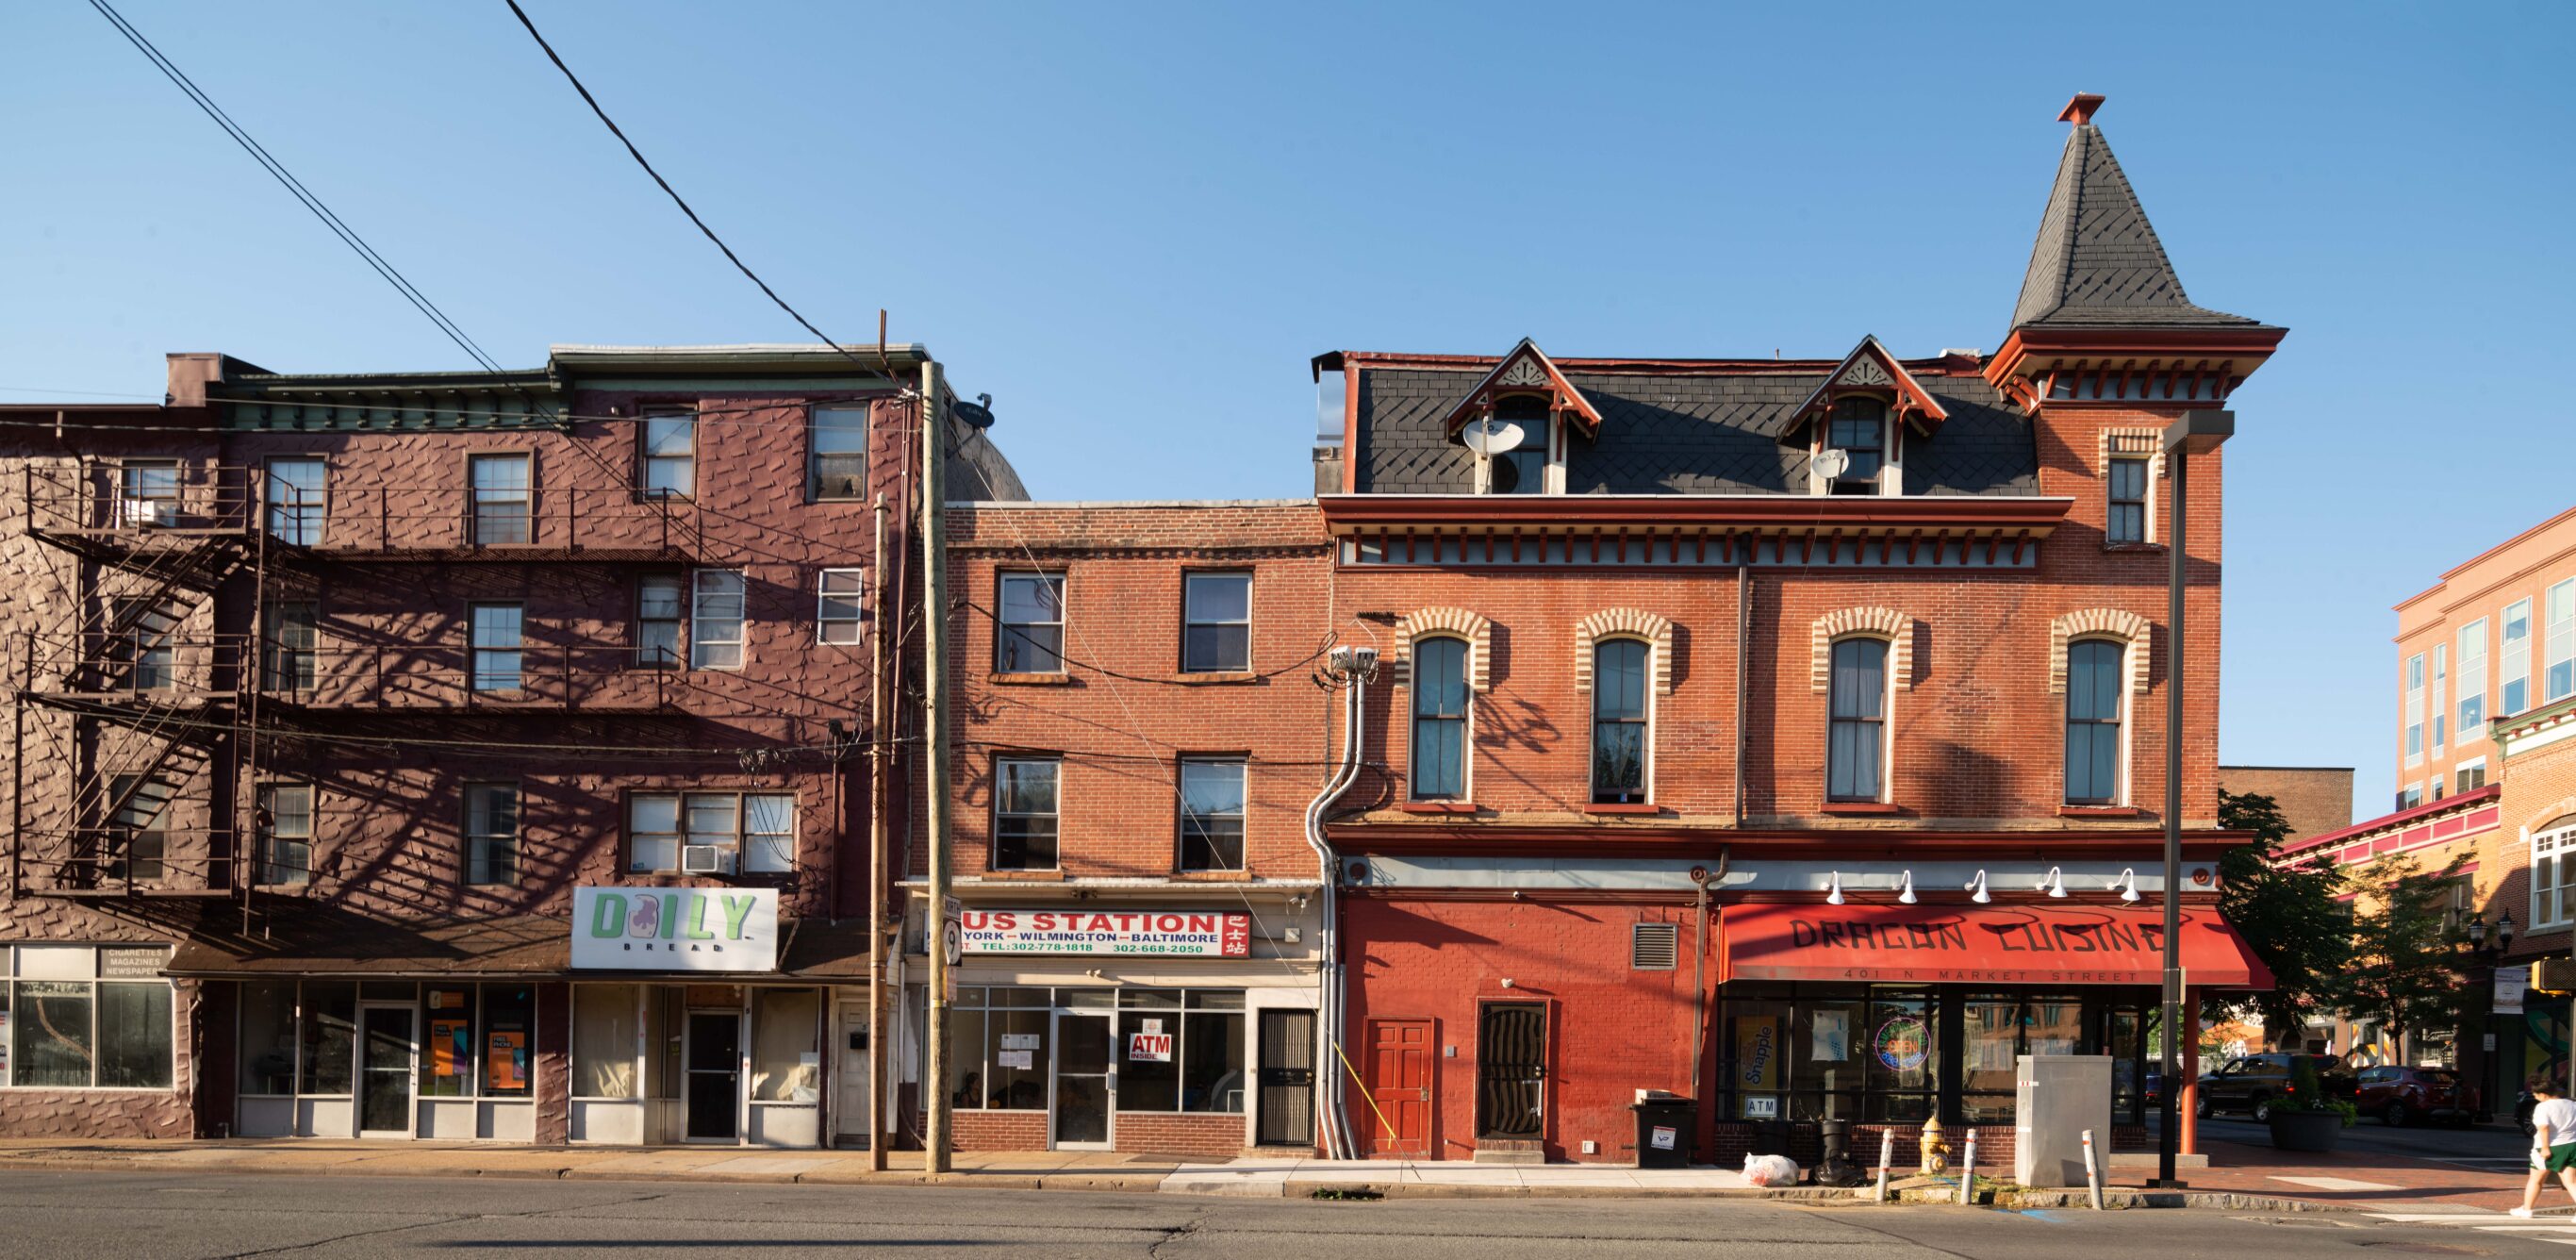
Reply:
x=296, y=186
x=676, y=199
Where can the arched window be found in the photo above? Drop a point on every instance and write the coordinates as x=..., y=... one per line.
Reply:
x=1856, y=743
x=2096, y=678
x=1439, y=764
x=1858, y=429
x=1620, y=749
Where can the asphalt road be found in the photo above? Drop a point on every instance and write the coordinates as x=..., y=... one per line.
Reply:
x=146, y=1216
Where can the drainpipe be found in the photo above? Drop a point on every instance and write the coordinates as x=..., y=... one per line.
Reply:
x=1699, y=979
x=1343, y=664
x=1743, y=643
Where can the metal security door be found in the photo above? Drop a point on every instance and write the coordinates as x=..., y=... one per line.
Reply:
x=714, y=1089
x=1399, y=1088
x=1287, y=1079
x=1511, y=1071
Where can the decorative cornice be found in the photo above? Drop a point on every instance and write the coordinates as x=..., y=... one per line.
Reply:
x=1458, y=622
x=1624, y=623
x=2099, y=623
x=1884, y=623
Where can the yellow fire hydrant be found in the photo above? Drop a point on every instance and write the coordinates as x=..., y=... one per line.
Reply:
x=1936, y=1153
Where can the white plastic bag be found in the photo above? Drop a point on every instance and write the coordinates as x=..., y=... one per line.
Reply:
x=1770, y=1170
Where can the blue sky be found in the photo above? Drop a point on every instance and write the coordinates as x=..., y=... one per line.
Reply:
x=1133, y=224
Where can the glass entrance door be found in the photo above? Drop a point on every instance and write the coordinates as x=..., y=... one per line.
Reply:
x=1082, y=1083
x=384, y=1071
x=713, y=1094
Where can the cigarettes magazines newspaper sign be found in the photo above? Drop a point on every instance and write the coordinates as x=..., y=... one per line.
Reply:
x=1183, y=934
x=675, y=929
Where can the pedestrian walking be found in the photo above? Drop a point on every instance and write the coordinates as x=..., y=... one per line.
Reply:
x=2553, y=1145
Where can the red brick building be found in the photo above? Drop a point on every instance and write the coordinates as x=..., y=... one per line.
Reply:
x=1784, y=734
x=458, y=755
x=1140, y=741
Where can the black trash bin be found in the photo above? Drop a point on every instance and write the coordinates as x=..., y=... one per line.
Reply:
x=1665, y=1123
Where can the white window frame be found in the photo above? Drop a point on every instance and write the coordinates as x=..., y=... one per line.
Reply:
x=1890, y=480
x=2561, y=644
x=675, y=654
x=2472, y=689
x=14, y=965
x=815, y=455
x=1551, y=463
x=828, y=623
x=706, y=647
x=2514, y=659
x=2414, y=719
x=738, y=850
x=1063, y=615
x=1886, y=720
x=2557, y=847
x=646, y=458
x=1189, y=619
x=2439, y=707
x=993, y=850
x=478, y=867
x=2478, y=764
x=290, y=517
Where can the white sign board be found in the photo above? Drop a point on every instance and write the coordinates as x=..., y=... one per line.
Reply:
x=2509, y=984
x=675, y=929
x=1149, y=1047
x=1169, y=934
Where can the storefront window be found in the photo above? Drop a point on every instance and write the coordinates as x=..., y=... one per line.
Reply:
x=328, y=1036
x=54, y=1046
x=604, y=1041
x=85, y=1018
x=1999, y=1029
x=1212, y=1042
x=1149, y=1050
x=1180, y=1052
x=268, y=1037
x=1904, y=1057
x=447, y=1057
x=786, y=1059
x=133, y=1036
x=509, y=1047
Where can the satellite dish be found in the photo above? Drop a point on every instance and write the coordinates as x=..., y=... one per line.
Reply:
x=1492, y=437
x=1832, y=462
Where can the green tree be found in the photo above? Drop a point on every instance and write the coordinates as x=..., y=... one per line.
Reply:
x=2289, y=916
x=2406, y=954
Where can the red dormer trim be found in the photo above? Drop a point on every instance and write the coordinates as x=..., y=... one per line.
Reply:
x=1870, y=369
x=1525, y=370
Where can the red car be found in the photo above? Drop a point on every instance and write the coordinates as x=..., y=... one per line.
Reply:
x=2405, y=1095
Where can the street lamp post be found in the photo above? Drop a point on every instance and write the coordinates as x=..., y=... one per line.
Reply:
x=2195, y=433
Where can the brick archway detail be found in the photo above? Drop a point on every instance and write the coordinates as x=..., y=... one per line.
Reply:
x=1450, y=622
x=2100, y=623
x=1624, y=623
x=1883, y=623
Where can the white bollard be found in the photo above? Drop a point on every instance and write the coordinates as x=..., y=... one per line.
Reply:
x=1968, y=1172
x=1886, y=1155
x=2092, y=1172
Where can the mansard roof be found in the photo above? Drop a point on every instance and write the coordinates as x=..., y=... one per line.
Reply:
x=1870, y=369
x=1527, y=369
x=2097, y=262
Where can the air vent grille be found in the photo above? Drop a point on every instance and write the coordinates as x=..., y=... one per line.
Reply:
x=1655, y=946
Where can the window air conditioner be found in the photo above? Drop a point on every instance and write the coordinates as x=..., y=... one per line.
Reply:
x=148, y=513
x=705, y=859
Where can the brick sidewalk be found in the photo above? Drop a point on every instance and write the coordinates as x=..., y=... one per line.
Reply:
x=2355, y=1179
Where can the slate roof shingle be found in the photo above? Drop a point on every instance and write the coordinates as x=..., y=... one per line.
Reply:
x=2097, y=262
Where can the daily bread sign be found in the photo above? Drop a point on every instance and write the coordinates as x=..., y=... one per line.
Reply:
x=675, y=929
x=1167, y=934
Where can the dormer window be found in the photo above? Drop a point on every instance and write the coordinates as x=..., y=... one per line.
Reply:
x=1859, y=430
x=1522, y=469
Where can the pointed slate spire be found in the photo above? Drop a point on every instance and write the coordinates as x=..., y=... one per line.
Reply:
x=2097, y=262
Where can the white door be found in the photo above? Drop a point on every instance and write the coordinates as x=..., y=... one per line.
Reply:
x=1085, y=1081
x=852, y=1109
x=386, y=1052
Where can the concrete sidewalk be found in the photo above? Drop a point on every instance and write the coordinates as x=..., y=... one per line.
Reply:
x=1271, y=1178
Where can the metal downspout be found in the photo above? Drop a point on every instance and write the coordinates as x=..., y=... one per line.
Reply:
x=1337, y=1141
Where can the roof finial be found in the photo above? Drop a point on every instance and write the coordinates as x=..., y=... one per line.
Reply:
x=2080, y=110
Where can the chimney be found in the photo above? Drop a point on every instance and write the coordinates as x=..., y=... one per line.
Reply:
x=2080, y=110
x=1328, y=469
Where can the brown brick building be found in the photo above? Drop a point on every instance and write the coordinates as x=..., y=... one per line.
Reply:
x=458, y=755
x=2315, y=799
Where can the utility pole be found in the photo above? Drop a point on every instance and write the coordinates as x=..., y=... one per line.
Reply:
x=880, y=1114
x=2201, y=432
x=934, y=625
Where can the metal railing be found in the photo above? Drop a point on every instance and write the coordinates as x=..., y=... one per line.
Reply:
x=428, y=677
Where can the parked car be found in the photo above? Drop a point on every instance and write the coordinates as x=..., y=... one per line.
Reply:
x=2250, y=1084
x=2406, y=1095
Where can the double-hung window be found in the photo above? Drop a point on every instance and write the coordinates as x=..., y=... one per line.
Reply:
x=1031, y=638
x=1217, y=623
x=491, y=833
x=2439, y=706
x=296, y=487
x=710, y=832
x=135, y=829
x=2415, y=709
x=501, y=494
x=837, y=605
x=2515, y=667
x=2560, y=680
x=285, y=833
x=840, y=461
x=145, y=631
x=716, y=620
x=2095, y=682
x=1439, y=681
x=291, y=645
x=2553, y=875
x=1211, y=815
x=2473, y=681
x=670, y=455
x=1024, y=813
x=2472, y=775
x=1857, y=735
x=658, y=610
x=1619, y=736
x=147, y=492
x=496, y=650
x=2127, y=522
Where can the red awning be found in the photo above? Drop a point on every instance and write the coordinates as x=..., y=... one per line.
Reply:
x=2017, y=944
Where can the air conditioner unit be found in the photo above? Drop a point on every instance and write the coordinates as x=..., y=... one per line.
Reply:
x=705, y=859
x=148, y=513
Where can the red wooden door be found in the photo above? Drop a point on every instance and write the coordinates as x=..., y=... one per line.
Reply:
x=1399, y=1089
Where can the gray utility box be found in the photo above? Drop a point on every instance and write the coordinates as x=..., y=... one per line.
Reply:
x=2057, y=1097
